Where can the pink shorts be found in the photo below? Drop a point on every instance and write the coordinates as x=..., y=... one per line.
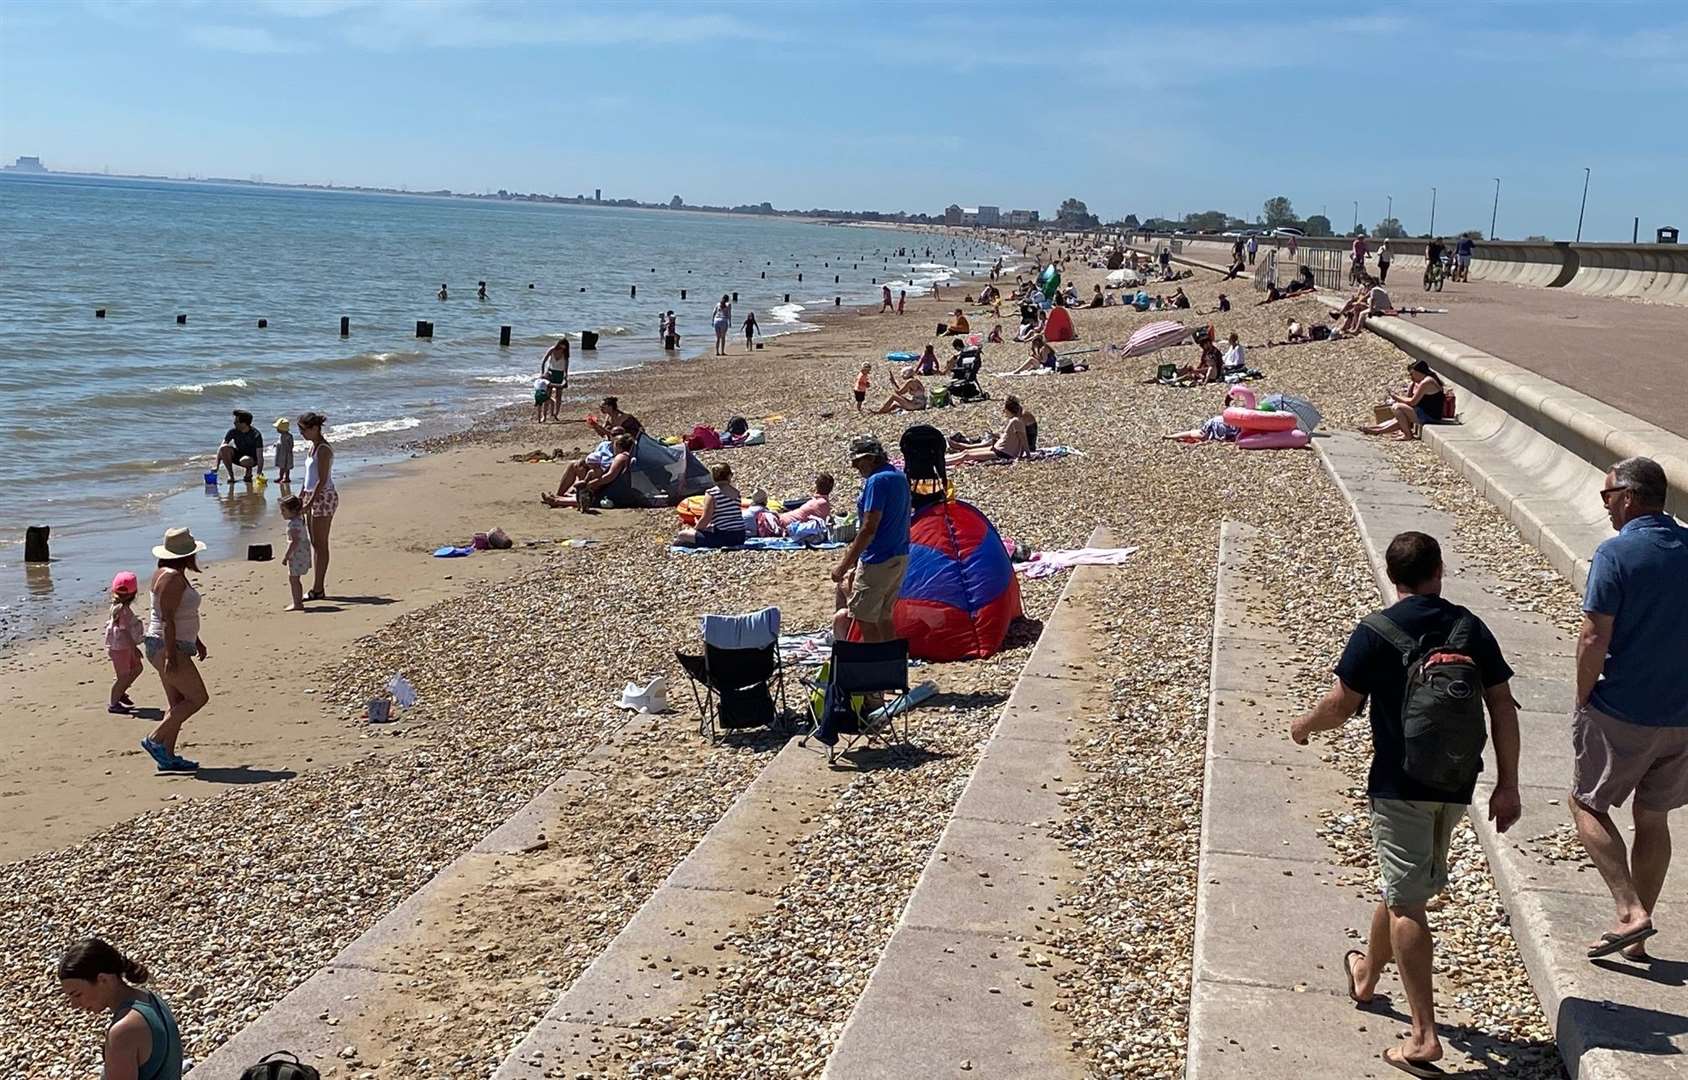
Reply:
x=126, y=661
x=326, y=502
x=1615, y=759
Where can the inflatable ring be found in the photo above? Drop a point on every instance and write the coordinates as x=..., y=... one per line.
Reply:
x=1260, y=420
x=1293, y=439
x=901, y=357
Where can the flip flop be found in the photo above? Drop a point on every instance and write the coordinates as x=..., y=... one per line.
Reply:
x=1412, y=1068
x=1611, y=943
x=1348, y=970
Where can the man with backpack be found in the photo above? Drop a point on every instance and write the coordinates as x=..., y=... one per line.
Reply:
x=1429, y=667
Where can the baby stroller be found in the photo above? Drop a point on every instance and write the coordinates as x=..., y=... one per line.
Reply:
x=964, y=380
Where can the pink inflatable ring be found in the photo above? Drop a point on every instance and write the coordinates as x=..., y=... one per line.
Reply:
x=1294, y=439
x=1260, y=420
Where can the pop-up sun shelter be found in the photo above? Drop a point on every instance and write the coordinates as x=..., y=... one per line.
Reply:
x=659, y=476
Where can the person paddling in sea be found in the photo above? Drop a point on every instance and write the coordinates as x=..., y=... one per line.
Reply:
x=480, y=292
x=750, y=331
x=142, y=1041
x=442, y=290
x=172, y=644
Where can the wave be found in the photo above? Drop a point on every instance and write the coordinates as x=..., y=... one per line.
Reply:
x=786, y=313
x=366, y=361
x=506, y=379
x=360, y=428
x=220, y=388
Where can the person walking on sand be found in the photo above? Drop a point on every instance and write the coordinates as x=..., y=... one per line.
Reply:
x=1629, y=732
x=871, y=570
x=173, y=642
x=1384, y=258
x=722, y=321
x=1253, y=247
x=750, y=331
x=1427, y=742
x=123, y=637
x=554, y=366
x=142, y=1041
x=297, y=557
x=320, y=498
x=884, y=299
x=902, y=298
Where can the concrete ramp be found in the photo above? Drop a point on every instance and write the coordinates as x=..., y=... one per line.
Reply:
x=1653, y=272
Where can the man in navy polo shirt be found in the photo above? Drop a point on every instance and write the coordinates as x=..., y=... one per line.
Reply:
x=1630, y=730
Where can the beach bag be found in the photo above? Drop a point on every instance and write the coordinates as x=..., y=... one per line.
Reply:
x=271, y=1069
x=939, y=398
x=843, y=529
x=1447, y=402
x=738, y=425
x=1442, y=707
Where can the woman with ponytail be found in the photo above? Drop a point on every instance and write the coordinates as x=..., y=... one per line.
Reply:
x=142, y=1042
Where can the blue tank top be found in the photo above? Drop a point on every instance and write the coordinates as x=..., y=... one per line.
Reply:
x=165, y=1061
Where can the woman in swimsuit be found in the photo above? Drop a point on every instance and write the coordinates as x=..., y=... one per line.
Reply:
x=555, y=367
x=172, y=643
x=722, y=321
x=1010, y=445
x=142, y=1041
x=320, y=497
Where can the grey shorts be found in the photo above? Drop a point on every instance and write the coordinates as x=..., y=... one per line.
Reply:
x=154, y=647
x=1412, y=841
x=1615, y=759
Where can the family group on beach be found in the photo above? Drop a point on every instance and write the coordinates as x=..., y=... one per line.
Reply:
x=171, y=640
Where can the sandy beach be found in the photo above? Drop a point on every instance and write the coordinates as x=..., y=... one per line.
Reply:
x=307, y=824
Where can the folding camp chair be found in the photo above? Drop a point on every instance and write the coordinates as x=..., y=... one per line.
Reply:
x=739, y=679
x=862, y=667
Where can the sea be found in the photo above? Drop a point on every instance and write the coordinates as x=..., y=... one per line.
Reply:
x=109, y=423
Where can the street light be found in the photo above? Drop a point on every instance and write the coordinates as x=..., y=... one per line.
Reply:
x=1389, y=213
x=1496, y=211
x=1433, y=210
x=1356, y=215
x=1584, y=205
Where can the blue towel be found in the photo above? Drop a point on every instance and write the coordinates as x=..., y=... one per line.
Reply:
x=449, y=552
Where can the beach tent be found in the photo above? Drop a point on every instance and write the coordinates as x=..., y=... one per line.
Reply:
x=1059, y=326
x=660, y=476
x=960, y=593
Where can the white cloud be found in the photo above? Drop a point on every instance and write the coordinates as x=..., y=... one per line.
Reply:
x=242, y=39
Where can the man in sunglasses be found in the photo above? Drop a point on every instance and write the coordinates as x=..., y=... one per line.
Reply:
x=1630, y=728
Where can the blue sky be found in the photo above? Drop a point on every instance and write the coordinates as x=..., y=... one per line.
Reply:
x=1151, y=108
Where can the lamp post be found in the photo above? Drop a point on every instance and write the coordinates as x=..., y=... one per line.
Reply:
x=1496, y=211
x=1390, y=212
x=1432, y=210
x=1584, y=205
x=1356, y=215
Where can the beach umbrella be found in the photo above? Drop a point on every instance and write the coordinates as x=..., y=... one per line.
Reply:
x=1155, y=335
x=1305, y=410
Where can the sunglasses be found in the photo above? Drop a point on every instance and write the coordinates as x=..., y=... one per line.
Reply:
x=1607, y=493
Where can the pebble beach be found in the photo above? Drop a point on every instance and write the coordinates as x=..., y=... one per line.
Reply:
x=233, y=898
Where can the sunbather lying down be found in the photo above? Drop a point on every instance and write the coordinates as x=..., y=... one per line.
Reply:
x=1213, y=429
x=1011, y=444
x=592, y=474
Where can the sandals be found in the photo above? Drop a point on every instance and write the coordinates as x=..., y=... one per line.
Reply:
x=1348, y=971
x=1611, y=943
x=316, y=594
x=1395, y=1059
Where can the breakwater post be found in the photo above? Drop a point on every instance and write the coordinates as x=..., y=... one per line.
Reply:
x=35, y=543
x=837, y=301
x=263, y=323
x=345, y=326
x=181, y=320
x=424, y=329
x=682, y=294
x=632, y=291
x=99, y=313
x=735, y=298
x=799, y=277
x=504, y=337
x=788, y=298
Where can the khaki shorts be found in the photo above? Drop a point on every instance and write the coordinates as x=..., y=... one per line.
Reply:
x=1615, y=758
x=1412, y=841
x=874, y=591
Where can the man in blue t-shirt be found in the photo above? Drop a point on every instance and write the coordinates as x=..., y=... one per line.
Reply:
x=1462, y=258
x=872, y=568
x=1413, y=822
x=1630, y=729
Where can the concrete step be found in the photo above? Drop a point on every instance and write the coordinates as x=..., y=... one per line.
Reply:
x=962, y=985
x=1611, y=1019
x=672, y=951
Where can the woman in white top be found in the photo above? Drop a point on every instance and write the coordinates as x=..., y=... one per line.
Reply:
x=173, y=643
x=722, y=321
x=555, y=368
x=320, y=497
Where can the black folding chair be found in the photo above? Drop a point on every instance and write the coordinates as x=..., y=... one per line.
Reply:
x=738, y=681
x=863, y=667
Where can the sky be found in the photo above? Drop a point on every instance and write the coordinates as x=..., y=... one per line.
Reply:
x=1152, y=109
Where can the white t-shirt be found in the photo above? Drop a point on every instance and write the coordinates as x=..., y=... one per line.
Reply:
x=1383, y=253
x=1378, y=300
x=1234, y=357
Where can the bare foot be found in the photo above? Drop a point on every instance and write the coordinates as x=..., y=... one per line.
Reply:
x=294, y=607
x=1415, y=1060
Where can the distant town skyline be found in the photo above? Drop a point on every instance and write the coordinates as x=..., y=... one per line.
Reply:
x=1209, y=107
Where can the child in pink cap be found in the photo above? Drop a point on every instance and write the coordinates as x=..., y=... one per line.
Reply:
x=123, y=641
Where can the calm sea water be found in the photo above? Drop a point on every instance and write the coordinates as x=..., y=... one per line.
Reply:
x=109, y=423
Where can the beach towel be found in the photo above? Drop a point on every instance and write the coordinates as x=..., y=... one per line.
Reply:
x=761, y=543
x=1046, y=563
x=806, y=650
x=1052, y=453
x=450, y=552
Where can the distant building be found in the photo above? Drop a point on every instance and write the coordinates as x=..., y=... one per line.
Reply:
x=969, y=218
x=990, y=216
x=952, y=214
x=27, y=164
x=597, y=194
x=1021, y=218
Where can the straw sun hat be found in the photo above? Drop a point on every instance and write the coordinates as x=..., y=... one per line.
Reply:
x=178, y=544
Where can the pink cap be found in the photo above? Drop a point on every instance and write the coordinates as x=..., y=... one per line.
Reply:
x=125, y=584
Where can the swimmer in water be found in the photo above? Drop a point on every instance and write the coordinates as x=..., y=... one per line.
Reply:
x=442, y=290
x=480, y=293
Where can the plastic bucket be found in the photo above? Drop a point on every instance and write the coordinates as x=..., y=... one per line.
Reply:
x=380, y=710
x=211, y=478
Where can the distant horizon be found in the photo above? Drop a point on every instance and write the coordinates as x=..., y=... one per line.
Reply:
x=807, y=105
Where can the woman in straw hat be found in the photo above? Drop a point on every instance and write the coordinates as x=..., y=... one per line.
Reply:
x=173, y=644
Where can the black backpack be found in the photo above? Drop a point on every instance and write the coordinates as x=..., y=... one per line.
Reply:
x=269, y=1069
x=1442, y=707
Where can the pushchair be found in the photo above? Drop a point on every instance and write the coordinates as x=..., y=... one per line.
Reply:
x=964, y=380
